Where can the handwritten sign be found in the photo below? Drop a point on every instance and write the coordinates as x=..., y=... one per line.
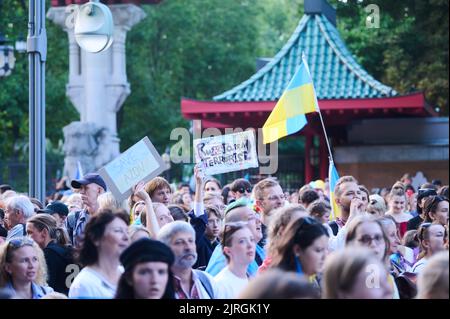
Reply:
x=226, y=153
x=141, y=162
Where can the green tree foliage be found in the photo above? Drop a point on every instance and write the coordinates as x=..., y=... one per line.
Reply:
x=410, y=49
x=14, y=88
x=194, y=49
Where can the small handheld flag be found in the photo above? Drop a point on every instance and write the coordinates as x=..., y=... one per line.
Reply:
x=333, y=178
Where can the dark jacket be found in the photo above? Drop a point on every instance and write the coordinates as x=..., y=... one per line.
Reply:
x=204, y=247
x=414, y=223
x=58, y=258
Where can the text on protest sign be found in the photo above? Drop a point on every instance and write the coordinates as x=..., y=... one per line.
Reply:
x=141, y=162
x=226, y=153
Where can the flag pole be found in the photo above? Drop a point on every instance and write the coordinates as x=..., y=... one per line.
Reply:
x=330, y=156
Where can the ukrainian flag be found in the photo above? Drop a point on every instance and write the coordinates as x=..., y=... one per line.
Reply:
x=333, y=178
x=288, y=116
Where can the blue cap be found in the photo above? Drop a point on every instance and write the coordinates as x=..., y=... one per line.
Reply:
x=90, y=178
x=58, y=207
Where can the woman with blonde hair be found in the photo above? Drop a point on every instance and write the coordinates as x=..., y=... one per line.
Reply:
x=137, y=232
x=107, y=200
x=397, y=202
x=54, y=241
x=22, y=269
x=432, y=237
x=377, y=206
x=355, y=273
x=136, y=212
x=74, y=202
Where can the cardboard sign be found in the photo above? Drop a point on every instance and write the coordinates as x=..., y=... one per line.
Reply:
x=226, y=153
x=141, y=162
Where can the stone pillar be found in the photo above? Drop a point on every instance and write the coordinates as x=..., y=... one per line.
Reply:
x=98, y=84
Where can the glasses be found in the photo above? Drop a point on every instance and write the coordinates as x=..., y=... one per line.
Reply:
x=274, y=198
x=242, y=190
x=367, y=240
x=20, y=242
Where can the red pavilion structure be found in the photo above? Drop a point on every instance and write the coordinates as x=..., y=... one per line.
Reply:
x=350, y=99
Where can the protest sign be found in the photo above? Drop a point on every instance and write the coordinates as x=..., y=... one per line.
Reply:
x=141, y=162
x=226, y=153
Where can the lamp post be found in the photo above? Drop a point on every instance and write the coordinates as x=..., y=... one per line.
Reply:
x=37, y=55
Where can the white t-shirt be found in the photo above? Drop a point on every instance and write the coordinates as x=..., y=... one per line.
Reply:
x=418, y=266
x=89, y=284
x=231, y=284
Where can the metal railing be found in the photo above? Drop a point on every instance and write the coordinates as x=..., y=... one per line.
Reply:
x=16, y=174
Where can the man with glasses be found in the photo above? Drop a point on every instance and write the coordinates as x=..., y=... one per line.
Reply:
x=18, y=210
x=268, y=196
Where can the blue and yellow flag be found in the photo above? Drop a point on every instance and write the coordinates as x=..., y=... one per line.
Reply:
x=333, y=178
x=288, y=116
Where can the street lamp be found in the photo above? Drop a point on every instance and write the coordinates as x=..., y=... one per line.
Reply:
x=7, y=59
x=94, y=27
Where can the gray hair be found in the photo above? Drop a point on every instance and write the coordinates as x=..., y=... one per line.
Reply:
x=168, y=231
x=22, y=203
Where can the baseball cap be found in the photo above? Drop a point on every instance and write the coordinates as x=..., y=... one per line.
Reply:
x=45, y=211
x=90, y=178
x=58, y=207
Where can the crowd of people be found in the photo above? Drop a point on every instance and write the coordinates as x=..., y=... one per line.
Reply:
x=237, y=241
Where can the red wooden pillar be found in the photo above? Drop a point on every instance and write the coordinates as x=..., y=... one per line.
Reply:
x=323, y=158
x=308, y=166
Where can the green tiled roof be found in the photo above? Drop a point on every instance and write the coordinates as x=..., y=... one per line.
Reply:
x=335, y=73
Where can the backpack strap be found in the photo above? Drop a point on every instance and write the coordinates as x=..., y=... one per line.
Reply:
x=205, y=282
x=24, y=230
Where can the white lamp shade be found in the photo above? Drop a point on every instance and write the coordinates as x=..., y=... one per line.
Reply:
x=94, y=27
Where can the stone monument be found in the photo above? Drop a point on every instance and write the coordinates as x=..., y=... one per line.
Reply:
x=97, y=87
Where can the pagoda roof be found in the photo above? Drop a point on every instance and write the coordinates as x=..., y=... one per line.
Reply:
x=334, y=70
